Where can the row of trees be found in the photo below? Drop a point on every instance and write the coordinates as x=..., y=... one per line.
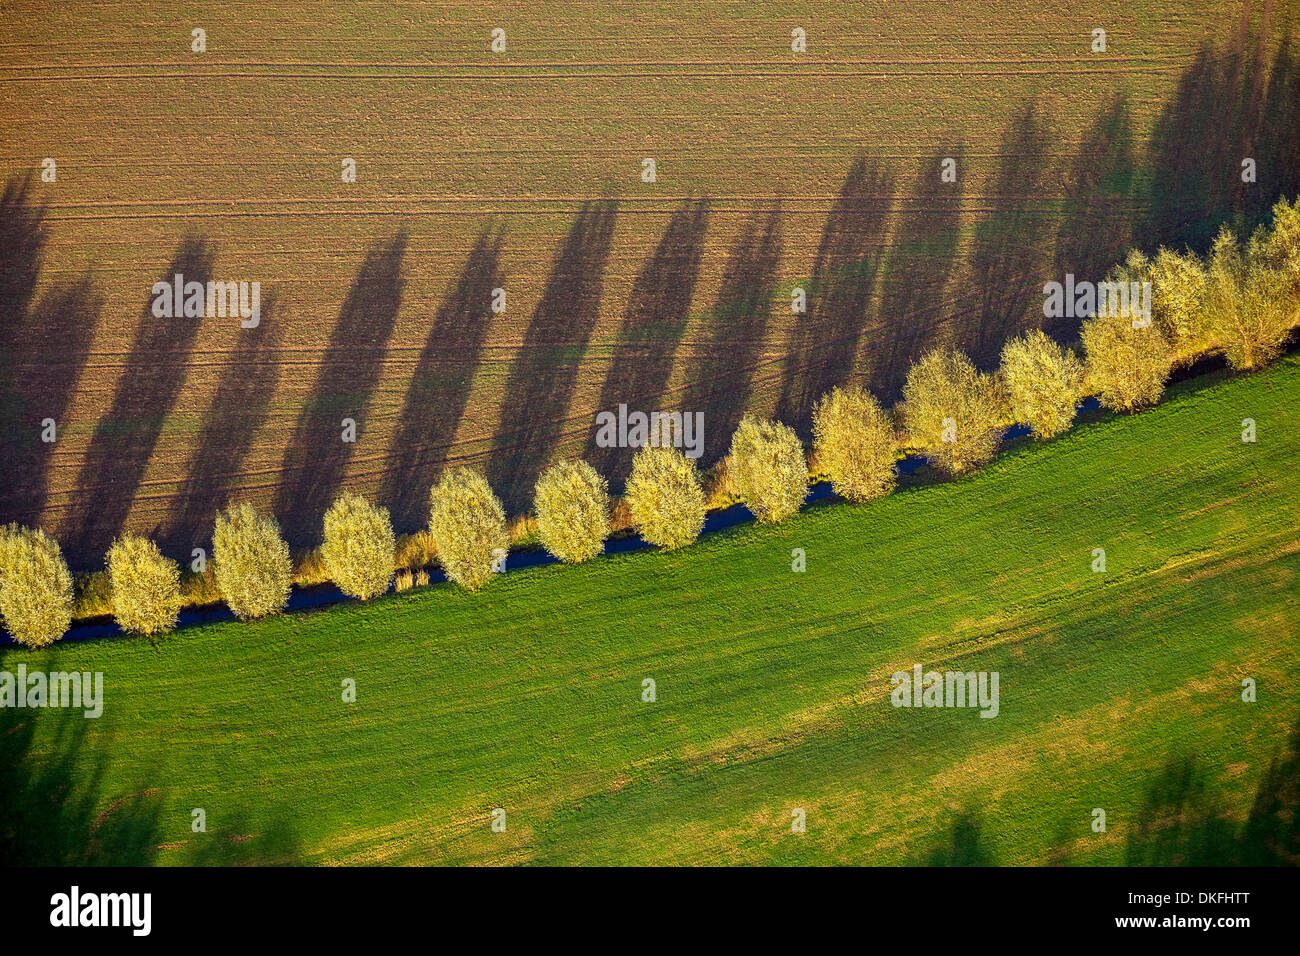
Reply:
x=1242, y=299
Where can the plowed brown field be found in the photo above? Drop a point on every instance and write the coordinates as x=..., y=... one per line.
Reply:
x=522, y=170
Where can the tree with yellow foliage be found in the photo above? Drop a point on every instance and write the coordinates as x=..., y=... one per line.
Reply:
x=572, y=504
x=35, y=586
x=953, y=412
x=146, y=586
x=358, y=547
x=1126, y=366
x=768, y=469
x=468, y=526
x=664, y=497
x=251, y=562
x=1044, y=383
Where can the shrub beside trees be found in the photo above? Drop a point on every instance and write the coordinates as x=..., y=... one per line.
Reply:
x=768, y=469
x=854, y=440
x=1044, y=383
x=572, y=502
x=954, y=413
x=664, y=497
x=35, y=586
x=359, y=546
x=468, y=526
x=1126, y=366
x=146, y=586
x=251, y=562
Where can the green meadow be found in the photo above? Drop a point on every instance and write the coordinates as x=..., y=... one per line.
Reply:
x=1120, y=690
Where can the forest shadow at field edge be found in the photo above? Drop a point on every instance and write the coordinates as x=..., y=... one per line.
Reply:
x=1180, y=821
x=54, y=810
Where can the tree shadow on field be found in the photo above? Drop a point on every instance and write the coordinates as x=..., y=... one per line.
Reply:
x=545, y=370
x=46, y=355
x=316, y=459
x=1095, y=220
x=1230, y=104
x=49, y=800
x=271, y=840
x=22, y=243
x=125, y=436
x=912, y=287
x=1278, y=142
x=45, y=348
x=1008, y=257
x=734, y=331
x=657, y=313
x=238, y=410
x=823, y=344
x=440, y=385
x=1181, y=822
x=963, y=845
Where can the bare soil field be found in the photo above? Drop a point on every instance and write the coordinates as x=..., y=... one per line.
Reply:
x=522, y=170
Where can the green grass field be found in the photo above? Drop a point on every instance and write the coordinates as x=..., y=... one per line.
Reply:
x=1119, y=690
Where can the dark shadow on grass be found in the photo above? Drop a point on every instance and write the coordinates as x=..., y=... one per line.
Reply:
x=270, y=840
x=963, y=845
x=1181, y=821
x=50, y=813
x=316, y=459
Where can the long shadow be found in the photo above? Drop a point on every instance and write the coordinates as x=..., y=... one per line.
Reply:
x=1096, y=215
x=1181, y=821
x=22, y=243
x=238, y=410
x=1008, y=256
x=912, y=287
x=125, y=437
x=823, y=344
x=1271, y=834
x=440, y=385
x=962, y=845
x=657, y=313
x=1224, y=111
x=723, y=365
x=49, y=802
x=316, y=458
x=1278, y=139
x=46, y=352
x=542, y=377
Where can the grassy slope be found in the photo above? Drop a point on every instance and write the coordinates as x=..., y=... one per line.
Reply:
x=772, y=685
